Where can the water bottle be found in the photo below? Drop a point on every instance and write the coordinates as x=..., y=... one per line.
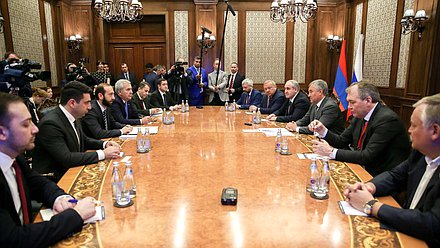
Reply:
x=118, y=186
x=171, y=117
x=140, y=142
x=324, y=182
x=129, y=183
x=183, y=109
x=146, y=139
x=226, y=106
x=312, y=184
x=254, y=116
x=278, y=140
x=258, y=117
x=233, y=105
x=186, y=106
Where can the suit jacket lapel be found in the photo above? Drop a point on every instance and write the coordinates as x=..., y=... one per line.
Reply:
x=68, y=128
x=434, y=179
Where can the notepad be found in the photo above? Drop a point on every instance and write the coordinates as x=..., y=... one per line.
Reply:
x=272, y=132
x=46, y=214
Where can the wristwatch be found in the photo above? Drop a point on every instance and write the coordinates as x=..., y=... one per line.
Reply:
x=368, y=207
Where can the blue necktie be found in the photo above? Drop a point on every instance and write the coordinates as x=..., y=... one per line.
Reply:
x=126, y=110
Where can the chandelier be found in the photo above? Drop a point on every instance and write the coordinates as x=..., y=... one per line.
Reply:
x=119, y=10
x=291, y=10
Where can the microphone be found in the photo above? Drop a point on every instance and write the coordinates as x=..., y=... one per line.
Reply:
x=230, y=8
x=206, y=30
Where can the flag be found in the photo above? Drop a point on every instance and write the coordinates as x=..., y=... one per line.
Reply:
x=357, y=68
x=341, y=80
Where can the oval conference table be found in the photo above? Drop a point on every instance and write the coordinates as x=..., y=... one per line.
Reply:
x=179, y=184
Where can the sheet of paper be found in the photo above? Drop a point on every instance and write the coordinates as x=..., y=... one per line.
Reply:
x=347, y=209
x=251, y=131
x=126, y=159
x=46, y=214
x=272, y=132
x=301, y=156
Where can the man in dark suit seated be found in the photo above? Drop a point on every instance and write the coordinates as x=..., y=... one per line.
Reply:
x=377, y=137
x=61, y=143
x=250, y=95
x=162, y=98
x=323, y=108
x=141, y=101
x=19, y=184
x=99, y=123
x=295, y=105
x=127, y=75
x=273, y=99
x=418, y=176
x=122, y=107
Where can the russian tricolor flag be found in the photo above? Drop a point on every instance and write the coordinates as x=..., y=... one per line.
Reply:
x=341, y=80
x=357, y=68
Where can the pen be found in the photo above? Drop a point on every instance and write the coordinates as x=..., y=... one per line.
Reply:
x=76, y=201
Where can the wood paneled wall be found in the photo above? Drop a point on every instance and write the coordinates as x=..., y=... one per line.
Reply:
x=334, y=17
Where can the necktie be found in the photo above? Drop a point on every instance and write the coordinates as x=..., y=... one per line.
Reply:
x=104, y=115
x=143, y=105
x=288, y=109
x=77, y=132
x=268, y=102
x=24, y=206
x=126, y=110
x=126, y=76
x=164, y=100
x=248, y=97
x=361, y=138
x=231, y=82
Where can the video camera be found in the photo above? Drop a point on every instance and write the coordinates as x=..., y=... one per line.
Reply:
x=16, y=74
x=179, y=67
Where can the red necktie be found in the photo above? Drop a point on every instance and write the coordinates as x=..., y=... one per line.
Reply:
x=21, y=192
x=231, y=83
x=361, y=138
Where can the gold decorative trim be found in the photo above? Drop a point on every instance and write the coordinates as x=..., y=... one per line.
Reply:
x=88, y=183
x=366, y=232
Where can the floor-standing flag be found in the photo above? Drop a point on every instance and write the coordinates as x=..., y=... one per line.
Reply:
x=341, y=80
x=357, y=68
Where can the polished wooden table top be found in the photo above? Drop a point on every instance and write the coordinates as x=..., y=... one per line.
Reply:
x=179, y=184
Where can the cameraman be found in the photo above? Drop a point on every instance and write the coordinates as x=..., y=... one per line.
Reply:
x=75, y=73
x=13, y=85
x=178, y=81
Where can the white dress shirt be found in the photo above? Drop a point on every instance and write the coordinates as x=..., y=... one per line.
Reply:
x=431, y=167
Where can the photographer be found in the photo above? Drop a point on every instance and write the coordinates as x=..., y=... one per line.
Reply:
x=81, y=74
x=178, y=80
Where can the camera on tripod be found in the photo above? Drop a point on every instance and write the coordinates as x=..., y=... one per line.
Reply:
x=178, y=66
x=17, y=74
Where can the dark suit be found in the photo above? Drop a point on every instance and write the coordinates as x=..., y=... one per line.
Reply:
x=274, y=103
x=295, y=110
x=254, y=99
x=385, y=145
x=94, y=126
x=56, y=146
x=424, y=221
x=156, y=100
x=13, y=234
x=150, y=78
x=139, y=104
x=132, y=79
x=236, y=85
x=328, y=114
x=119, y=114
